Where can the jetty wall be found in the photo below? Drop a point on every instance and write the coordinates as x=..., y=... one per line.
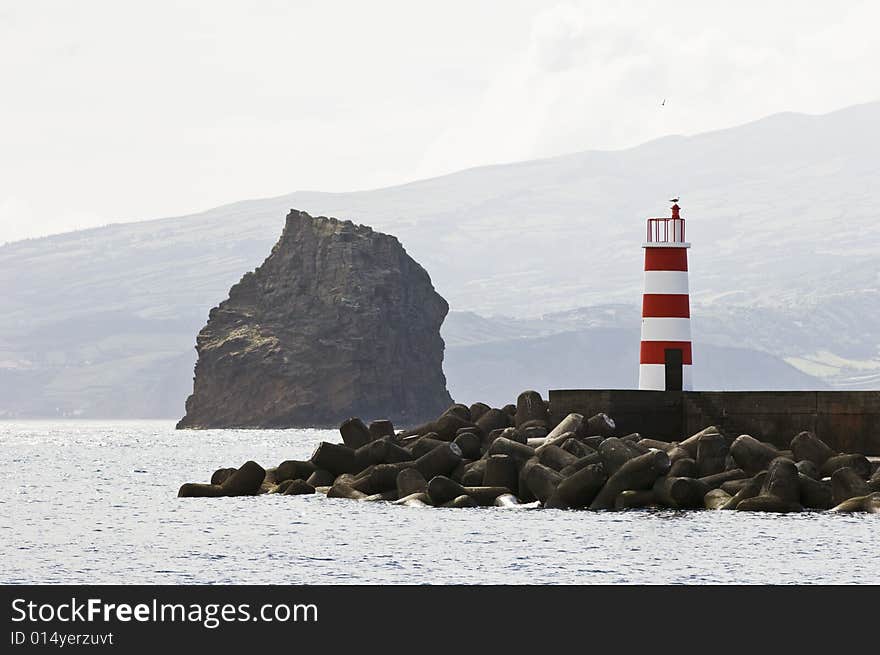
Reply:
x=848, y=421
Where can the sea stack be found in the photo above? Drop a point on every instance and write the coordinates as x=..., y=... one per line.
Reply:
x=337, y=322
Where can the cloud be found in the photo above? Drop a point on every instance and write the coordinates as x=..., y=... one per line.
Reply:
x=101, y=119
x=595, y=75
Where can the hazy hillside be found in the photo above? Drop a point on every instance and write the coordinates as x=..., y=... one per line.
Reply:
x=783, y=214
x=597, y=359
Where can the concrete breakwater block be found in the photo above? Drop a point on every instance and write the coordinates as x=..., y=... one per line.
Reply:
x=515, y=457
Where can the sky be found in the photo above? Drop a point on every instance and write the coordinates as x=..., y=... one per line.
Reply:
x=115, y=111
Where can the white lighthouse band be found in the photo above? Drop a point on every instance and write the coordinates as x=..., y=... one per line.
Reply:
x=666, y=329
x=666, y=282
x=652, y=377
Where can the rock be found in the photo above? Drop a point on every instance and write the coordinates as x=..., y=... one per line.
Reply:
x=679, y=493
x=530, y=407
x=469, y=443
x=580, y=489
x=485, y=496
x=338, y=321
x=426, y=444
x=460, y=410
x=733, y=487
x=418, y=431
x=577, y=448
x=656, y=444
x=749, y=490
x=500, y=471
x=717, y=480
x=384, y=496
x=869, y=503
x=782, y=481
x=635, y=499
x=354, y=433
x=568, y=427
x=477, y=410
x=599, y=425
x=768, y=504
x=858, y=463
x=381, y=428
x=280, y=487
x=751, y=455
x=346, y=479
x=615, y=453
x=339, y=490
x=583, y=462
x=809, y=468
x=846, y=484
x=635, y=442
x=440, y=461
x=474, y=473
x=806, y=446
x=494, y=419
x=198, y=490
x=449, y=424
x=245, y=481
x=442, y=489
x=414, y=500
x=382, y=451
x=472, y=429
x=220, y=475
x=637, y=473
x=504, y=446
x=409, y=482
x=555, y=457
x=335, y=458
x=815, y=494
x=542, y=481
x=691, y=443
x=684, y=468
x=515, y=435
x=298, y=488
x=716, y=499
x=677, y=453
x=459, y=470
x=461, y=502
x=711, y=454
x=533, y=433
x=293, y=469
x=383, y=477
x=593, y=442
x=321, y=478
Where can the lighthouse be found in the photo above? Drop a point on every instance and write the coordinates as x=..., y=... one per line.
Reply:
x=666, y=358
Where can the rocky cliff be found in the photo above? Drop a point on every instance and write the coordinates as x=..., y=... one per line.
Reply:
x=338, y=321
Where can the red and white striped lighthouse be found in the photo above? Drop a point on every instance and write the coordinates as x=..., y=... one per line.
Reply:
x=666, y=359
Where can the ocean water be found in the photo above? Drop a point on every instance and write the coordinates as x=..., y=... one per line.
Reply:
x=95, y=502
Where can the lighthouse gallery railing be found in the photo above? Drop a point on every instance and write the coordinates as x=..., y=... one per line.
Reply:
x=665, y=230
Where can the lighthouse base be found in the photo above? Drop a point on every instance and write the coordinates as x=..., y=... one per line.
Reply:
x=666, y=377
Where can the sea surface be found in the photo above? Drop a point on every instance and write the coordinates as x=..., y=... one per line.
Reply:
x=95, y=502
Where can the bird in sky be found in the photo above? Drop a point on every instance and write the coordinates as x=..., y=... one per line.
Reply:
x=663, y=104
x=673, y=200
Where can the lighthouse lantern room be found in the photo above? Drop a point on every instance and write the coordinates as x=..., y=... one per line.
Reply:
x=666, y=357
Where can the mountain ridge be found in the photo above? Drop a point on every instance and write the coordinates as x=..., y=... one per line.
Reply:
x=782, y=213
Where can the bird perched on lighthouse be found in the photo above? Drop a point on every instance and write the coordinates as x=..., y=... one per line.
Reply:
x=666, y=355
